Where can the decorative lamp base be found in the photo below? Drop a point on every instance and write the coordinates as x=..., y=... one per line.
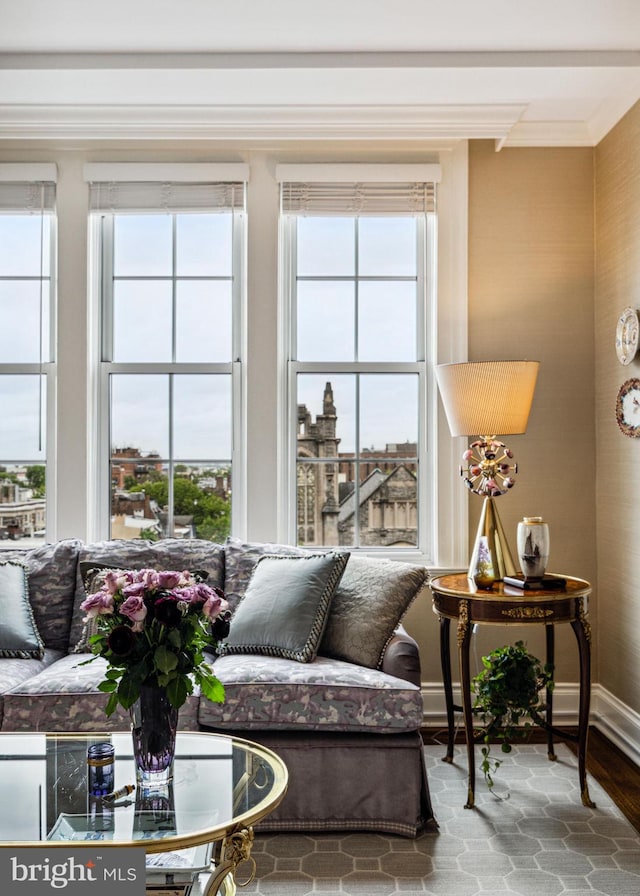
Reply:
x=490, y=538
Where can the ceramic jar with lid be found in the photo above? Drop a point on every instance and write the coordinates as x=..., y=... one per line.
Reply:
x=533, y=546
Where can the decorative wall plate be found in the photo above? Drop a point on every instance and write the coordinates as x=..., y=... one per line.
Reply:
x=627, y=333
x=628, y=408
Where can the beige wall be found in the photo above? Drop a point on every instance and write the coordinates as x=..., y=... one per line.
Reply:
x=617, y=285
x=531, y=296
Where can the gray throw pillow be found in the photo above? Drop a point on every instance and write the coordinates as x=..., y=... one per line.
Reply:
x=284, y=609
x=373, y=596
x=19, y=636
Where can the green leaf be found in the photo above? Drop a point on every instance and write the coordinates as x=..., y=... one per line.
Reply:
x=128, y=691
x=177, y=691
x=165, y=659
x=112, y=702
x=212, y=689
x=108, y=687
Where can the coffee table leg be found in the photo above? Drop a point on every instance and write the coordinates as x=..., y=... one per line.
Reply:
x=235, y=851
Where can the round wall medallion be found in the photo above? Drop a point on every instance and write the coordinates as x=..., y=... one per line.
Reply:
x=627, y=333
x=628, y=408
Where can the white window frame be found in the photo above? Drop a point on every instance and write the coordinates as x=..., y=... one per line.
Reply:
x=427, y=319
x=35, y=175
x=100, y=290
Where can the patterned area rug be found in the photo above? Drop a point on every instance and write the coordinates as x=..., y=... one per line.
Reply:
x=536, y=840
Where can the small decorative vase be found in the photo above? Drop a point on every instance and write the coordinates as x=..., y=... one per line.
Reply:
x=533, y=547
x=484, y=575
x=154, y=722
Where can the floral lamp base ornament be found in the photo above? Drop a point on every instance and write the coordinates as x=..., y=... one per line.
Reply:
x=154, y=722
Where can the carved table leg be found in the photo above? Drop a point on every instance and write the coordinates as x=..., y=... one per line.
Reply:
x=582, y=630
x=445, y=662
x=550, y=633
x=464, y=640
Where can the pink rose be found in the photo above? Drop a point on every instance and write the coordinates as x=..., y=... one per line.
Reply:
x=168, y=579
x=134, y=608
x=214, y=605
x=135, y=589
x=100, y=603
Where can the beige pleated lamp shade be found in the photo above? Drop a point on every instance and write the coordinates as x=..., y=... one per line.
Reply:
x=487, y=398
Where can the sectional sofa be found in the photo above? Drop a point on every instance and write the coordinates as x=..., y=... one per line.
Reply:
x=344, y=713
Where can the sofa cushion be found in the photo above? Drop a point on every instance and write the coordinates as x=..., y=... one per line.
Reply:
x=326, y=695
x=14, y=672
x=52, y=582
x=65, y=697
x=373, y=596
x=169, y=553
x=284, y=609
x=240, y=558
x=19, y=635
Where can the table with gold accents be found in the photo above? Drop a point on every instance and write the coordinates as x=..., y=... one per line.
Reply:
x=455, y=597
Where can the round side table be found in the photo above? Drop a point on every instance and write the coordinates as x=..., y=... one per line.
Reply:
x=456, y=597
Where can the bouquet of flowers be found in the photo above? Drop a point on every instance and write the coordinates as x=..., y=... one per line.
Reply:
x=152, y=628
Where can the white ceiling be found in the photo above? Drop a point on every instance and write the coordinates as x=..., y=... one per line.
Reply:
x=523, y=73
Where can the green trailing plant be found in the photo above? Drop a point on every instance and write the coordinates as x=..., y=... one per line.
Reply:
x=507, y=699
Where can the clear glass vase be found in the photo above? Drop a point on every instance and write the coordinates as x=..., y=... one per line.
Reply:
x=154, y=723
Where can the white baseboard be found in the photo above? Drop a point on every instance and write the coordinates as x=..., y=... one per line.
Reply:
x=608, y=714
x=616, y=721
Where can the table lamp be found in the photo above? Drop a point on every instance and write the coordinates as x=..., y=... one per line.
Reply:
x=487, y=399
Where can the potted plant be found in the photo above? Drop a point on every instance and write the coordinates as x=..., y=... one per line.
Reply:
x=506, y=696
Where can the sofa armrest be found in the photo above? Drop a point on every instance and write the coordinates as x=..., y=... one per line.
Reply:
x=402, y=657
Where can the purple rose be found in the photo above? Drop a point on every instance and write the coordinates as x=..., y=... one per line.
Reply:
x=135, y=589
x=134, y=608
x=98, y=604
x=168, y=579
x=215, y=604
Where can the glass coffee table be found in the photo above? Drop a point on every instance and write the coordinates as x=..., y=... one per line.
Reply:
x=197, y=832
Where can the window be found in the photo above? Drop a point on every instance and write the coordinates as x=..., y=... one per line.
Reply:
x=357, y=257
x=27, y=373
x=170, y=273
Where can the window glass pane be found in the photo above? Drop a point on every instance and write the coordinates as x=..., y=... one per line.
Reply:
x=387, y=321
x=140, y=415
x=387, y=247
x=21, y=405
x=142, y=245
x=202, y=498
x=387, y=505
x=202, y=417
x=326, y=246
x=22, y=505
x=20, y=304
x=203, y=325
x=138, y=496
x=204, y=245
x=326, y=414
x=20, y=240
x=142, y=321
x=325, y=321
x=388, y=410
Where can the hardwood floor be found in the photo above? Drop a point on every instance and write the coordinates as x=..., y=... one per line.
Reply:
x=607, y=764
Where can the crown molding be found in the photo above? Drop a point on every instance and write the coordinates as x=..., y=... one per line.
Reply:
x=371, y=122
x=322, y=60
